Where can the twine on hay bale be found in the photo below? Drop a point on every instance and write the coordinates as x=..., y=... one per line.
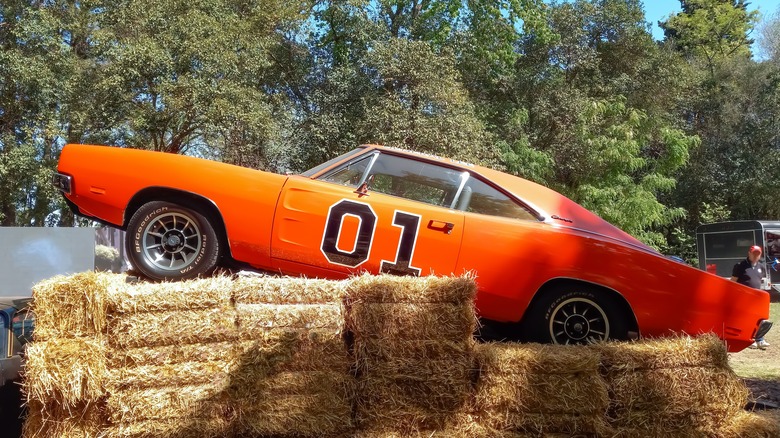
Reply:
x=529, y=388
x=72, y=306
x=69, y=372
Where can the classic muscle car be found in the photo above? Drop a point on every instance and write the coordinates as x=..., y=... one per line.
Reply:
x=544, y=264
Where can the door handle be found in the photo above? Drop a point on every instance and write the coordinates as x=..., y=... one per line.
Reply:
x=444, y=227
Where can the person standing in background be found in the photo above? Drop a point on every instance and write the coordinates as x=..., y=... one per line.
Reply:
x=749, y=273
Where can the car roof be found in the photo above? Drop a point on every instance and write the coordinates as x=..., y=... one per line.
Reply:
x=553, y=207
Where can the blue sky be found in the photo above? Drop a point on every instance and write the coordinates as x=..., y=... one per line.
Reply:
x=657, y=10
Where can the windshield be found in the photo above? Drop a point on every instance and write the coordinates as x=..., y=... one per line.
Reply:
x=315, y=170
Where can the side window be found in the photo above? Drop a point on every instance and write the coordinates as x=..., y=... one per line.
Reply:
x=479, y=197
x=773, y=245
x=350, y=174
x=415, y=180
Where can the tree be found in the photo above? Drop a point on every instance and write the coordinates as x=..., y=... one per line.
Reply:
x=192, y=75
x=769, y=36
x=35, y=70
x=712, y=29
x=584, y=119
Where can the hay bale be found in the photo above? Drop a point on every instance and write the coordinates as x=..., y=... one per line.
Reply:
x=139, y=297
x=67, y=371
x=413, y=344
x=287, y=290
x=430, y=289
x=666, y=353
x=153, y=329
x=675, y=399
x=749, y=425
x=295, y=383
x=172, y=428
x=73, y=306
x=205, y=401
x=540, y=389
x=533, y=378
x=47, y=420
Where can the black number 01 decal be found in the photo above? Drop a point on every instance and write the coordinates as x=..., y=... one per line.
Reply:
x=409, y=224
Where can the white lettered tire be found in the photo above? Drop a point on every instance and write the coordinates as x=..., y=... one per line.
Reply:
x=166, y=241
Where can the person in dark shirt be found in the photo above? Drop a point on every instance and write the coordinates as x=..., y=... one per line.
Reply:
x=749, y=273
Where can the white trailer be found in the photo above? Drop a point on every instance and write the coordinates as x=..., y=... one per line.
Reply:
x=723, y=244
x=31, y=254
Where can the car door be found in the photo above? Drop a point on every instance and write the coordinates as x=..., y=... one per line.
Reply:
x=377, y=213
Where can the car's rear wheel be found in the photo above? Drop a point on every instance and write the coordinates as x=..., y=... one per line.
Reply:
x=575, y=314
x=167, y=241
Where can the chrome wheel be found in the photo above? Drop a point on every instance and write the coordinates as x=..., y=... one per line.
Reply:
x=578, y=320
x=171, y=241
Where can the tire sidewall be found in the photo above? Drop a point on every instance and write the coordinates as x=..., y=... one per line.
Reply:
x=204, y=262
x=537, y=325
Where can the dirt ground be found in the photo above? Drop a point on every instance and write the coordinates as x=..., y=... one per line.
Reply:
x=760, y=370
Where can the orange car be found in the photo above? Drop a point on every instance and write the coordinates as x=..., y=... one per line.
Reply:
x=553, y=270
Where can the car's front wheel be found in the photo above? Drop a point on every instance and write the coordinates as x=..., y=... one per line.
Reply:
x=575, y=314
x=170, y=242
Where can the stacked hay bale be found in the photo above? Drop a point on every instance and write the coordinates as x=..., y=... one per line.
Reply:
x=294, y=370
x=171, y=355
x=540, y=390
x=672, y=387
x=66, y=367
x=212, y=357
x=413, y=348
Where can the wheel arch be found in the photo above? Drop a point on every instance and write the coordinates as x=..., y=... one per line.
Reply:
x=555, y=284
x=190, y=200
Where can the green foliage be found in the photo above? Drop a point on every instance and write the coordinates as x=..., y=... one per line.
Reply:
x=655, y=138
x=713, y=29
x=618, y=163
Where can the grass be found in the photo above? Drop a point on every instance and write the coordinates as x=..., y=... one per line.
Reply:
x=761, y=364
